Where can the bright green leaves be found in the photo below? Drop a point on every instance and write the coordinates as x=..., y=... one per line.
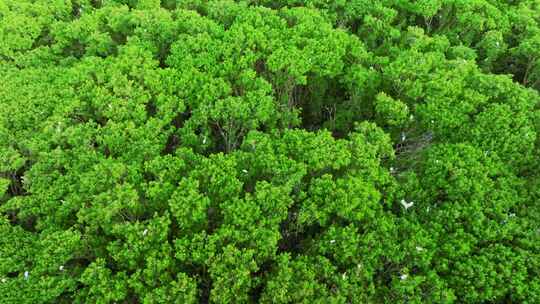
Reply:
x=389, y=111
x=165, y=172
x=468, y=184
x=370, y=145
x=11, y=160
x=466, y=21
x=459, y=173
x=252, y=76
x=82, y=36
x=260, y=159
x=20, y=31
x=25, y=25
x=37, y=267
x=219, y=177
x=296, y=152
x=234, y=116
x=447, y=107
x=189, y=206
x=426, y=8
x=121, y=203
x=273, y=201
x=346, y=199
x=138, y=243
x=318, y=151
x=4, y=186
x=216, y=219
x=182, y=290
x=16, y=249
x=468, y=202
x=493, y=272
x=299, y=281
x=528, y=52
x=240, y=100
x=499, y=130
x=312, y=46
x=100, y=285
x=231, y=274
x=254, y=222
x=492, y=47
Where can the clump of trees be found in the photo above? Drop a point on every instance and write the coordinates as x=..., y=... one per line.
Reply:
x=269, y=151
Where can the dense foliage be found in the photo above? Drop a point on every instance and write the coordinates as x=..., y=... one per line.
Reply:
x=299, y=151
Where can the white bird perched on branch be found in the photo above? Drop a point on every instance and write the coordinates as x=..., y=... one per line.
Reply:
x=406, y=205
